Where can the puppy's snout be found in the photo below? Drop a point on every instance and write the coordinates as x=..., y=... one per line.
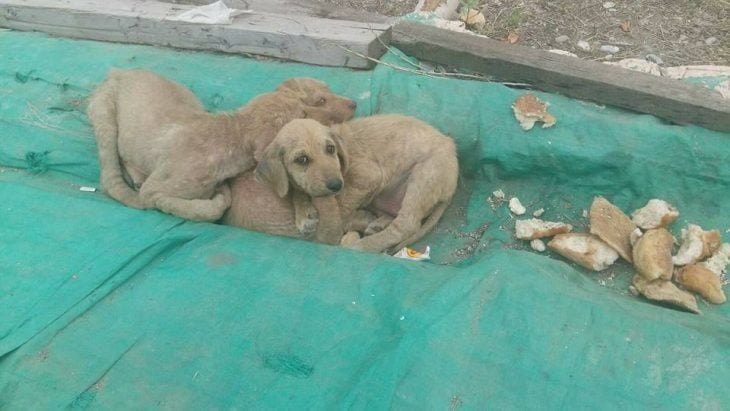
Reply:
x=352, y=104
x=334, y=184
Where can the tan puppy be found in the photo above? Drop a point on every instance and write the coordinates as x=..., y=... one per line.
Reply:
x=177, y=153
x=398, y=167
x=305, y=157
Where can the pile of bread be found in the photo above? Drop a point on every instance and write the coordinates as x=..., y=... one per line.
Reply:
x=699, y=265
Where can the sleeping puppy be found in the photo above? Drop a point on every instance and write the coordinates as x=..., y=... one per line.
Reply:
x=177, y=154
x=303, y=158
x=399, y=168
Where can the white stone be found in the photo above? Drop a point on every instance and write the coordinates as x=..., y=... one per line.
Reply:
x=584, y=45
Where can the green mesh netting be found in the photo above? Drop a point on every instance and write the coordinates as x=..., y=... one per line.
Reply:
x=106, y=307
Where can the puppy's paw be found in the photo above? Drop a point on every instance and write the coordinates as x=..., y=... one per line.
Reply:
x=350, y=238
x=307, y=226
x=377, y=226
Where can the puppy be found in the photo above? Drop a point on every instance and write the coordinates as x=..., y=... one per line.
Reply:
x=397, y=168
x=177, y=154
x=303, y=158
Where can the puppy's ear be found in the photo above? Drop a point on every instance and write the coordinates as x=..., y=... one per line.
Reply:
x=341, y=148
x=293, y=86
x=271, y=170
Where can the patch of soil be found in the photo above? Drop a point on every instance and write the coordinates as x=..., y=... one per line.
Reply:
x=678, y=31
x=384, y=7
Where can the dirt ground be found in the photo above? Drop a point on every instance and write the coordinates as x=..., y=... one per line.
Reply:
x=678, y=32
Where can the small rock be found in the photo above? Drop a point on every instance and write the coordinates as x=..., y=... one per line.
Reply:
x=584, y=45
x=562, y=39
x=710, y=41
x=653, y=58
x=682, y=38
x=537, y=245
x=498, y=195
x=538, y=212
x=516, y=207
x=610, y=49
x=609, y=5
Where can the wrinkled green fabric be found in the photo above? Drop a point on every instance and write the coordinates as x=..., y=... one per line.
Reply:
x=106, y=307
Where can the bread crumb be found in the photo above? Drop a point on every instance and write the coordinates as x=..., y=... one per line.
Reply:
x=538, y=212
x=516, y=207
x=537, y=245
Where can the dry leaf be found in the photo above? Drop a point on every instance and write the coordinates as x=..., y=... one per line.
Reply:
x=529, y=109
x=513, y=37
x=626, y=26
x=473, y=17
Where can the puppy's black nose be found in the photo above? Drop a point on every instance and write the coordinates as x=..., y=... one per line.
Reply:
x=353, y=104
x=334, y=185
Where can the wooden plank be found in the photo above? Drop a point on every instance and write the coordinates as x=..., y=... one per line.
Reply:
x=668, y=99
x=299, y=38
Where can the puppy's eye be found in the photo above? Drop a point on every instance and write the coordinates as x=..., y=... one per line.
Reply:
x=302, y=160
x=321, y=101
x=330, y=149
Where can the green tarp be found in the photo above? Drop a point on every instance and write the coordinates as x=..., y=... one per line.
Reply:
x=106, y=307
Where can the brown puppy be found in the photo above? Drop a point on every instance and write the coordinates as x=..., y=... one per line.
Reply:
x=398, y=167
x=178, y=154
x=303, y=158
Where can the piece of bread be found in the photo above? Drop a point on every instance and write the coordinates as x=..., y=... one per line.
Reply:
x=585, y=249
x=719, y=261
x=612, y=226
x=534, y=228
x=656, y=213
x=529, y=109
x=704, y=282
x=652, y=255
x=665, y=292
x=697, y=244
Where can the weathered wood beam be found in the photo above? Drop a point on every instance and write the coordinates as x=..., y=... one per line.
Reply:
x=668, y=99
x=299, y=38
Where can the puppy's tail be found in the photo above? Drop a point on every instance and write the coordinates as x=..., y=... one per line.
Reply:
x=427, y=226
x=102, y=113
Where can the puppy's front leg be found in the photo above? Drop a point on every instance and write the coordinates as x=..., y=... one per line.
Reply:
x=305, y=214
x=329, y=229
